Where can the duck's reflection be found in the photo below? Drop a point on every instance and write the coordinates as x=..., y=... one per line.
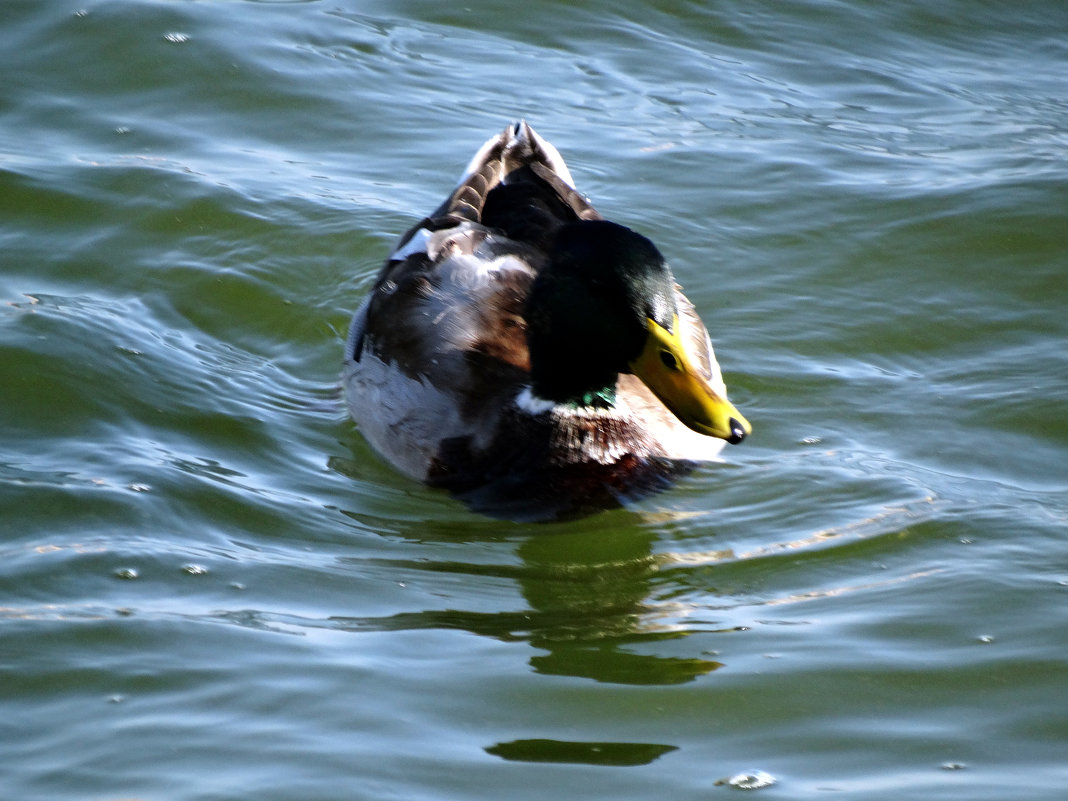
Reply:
x=590, y=613
x=589, y=610
x=580, y=753
x=591, y=594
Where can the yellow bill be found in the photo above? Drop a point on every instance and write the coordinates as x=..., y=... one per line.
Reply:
x=666, y=368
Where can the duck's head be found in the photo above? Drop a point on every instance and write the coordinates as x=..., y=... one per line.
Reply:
x=605, y=305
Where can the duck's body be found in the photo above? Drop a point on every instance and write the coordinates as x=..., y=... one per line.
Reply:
x=494, y=356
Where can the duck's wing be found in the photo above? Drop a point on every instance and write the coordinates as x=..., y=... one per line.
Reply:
x=523, y=167
x=493, y=229
x=439, y=348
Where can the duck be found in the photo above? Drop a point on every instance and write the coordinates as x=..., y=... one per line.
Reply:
x=529, y=356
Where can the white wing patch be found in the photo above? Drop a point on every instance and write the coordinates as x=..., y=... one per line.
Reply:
x=418, y=243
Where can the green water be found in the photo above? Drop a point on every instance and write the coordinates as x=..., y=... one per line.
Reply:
x=211, y=588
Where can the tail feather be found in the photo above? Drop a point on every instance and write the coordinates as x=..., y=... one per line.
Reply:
x=517, y=146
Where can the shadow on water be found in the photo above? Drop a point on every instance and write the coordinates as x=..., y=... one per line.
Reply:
x=587, y=607
x=599, y=597
x=587, y=595
x=580, y=753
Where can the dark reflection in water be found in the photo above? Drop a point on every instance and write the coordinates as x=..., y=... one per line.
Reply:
x=550, y=495
x=588, y=608
x=570, y=492
x=608, y=664
x=592, y=592
x=580, y=753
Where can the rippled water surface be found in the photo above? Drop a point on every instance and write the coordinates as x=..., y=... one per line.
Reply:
x=211, y=588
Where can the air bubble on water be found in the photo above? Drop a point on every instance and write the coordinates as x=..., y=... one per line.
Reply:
x=139, y=488
x=176, y=38
x=986, y=639
x=953, y=766
x=749, y=780
x=194, y=570
x=127, y=573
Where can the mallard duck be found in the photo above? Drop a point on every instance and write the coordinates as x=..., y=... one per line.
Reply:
x=532, y=357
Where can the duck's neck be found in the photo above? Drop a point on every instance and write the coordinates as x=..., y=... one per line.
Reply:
x=538, y=401
x=576, y=387
x=599, y=399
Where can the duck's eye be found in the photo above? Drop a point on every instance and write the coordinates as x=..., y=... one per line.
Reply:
x=669, y=360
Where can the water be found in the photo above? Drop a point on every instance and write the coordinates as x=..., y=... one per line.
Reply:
x=210, y=588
